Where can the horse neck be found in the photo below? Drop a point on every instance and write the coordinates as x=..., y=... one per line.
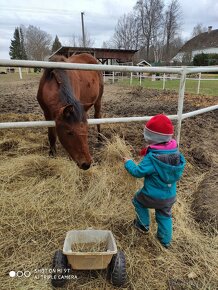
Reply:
x=57, y=91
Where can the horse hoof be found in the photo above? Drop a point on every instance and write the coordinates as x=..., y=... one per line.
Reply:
x=99, y=144
x=52, y=153
x=100, y=139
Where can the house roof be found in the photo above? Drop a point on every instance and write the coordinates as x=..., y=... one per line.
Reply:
x=201, y=41
x=143, y=62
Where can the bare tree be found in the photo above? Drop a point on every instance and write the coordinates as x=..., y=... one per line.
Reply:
x=126, y=33
x=37, y=43
x=77, y=41
x=172, y=24
x=108, y=44
x=89, y=42
x=73, y=41
x=198, y=29
x=150, y=16
x=157, y=48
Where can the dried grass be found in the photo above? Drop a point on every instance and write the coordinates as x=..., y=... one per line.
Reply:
x=43, y=198
x=89, y=247
x=206, y=198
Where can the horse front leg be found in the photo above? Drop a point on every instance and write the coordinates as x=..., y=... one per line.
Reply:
x=97, y=115
x=52, y=137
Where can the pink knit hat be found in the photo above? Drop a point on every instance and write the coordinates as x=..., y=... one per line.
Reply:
x=158, y=129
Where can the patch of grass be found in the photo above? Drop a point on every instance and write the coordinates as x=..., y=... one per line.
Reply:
x=209, y=88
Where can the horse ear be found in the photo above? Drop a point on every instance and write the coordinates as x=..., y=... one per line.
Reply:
x=68, y=111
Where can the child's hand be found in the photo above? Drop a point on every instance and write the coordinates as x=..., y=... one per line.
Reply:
x=125, y=159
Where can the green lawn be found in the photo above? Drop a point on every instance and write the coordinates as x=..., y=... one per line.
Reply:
x=206, y=87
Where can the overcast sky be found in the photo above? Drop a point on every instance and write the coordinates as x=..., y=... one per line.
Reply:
x=63, y=17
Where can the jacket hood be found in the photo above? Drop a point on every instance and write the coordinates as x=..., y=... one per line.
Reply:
x=168, y=173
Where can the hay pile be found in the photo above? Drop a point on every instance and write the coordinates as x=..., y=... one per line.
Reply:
x=43, y=198
x=205, y=197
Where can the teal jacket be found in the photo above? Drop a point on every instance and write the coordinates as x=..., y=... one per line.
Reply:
x=159, y=177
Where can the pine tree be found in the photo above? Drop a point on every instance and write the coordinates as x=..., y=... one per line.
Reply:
x=56, y=44
x=17, y=50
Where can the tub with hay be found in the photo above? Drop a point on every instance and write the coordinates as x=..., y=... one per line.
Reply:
x=89, y=249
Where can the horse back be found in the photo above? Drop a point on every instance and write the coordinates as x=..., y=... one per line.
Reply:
x=83, y=58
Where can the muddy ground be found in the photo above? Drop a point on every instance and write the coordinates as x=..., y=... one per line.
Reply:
x=198, y=138
x=19, y=97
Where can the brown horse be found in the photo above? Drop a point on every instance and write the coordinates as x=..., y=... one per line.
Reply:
x=65, y=96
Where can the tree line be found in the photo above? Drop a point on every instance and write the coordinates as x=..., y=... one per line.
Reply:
x=152, y=28
x=35, y=44
x=32, y=43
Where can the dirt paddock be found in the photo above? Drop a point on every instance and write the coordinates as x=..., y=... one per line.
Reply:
x=42, y=198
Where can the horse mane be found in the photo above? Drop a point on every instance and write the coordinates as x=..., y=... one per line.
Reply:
x=66, y=91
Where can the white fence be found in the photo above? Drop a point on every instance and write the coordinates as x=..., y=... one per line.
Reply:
x=182, y=71
x=170, y=77
x=114, y=77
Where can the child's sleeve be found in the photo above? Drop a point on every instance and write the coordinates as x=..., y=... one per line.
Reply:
x=145, y=167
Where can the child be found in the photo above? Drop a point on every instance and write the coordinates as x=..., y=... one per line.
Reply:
x=162, y=166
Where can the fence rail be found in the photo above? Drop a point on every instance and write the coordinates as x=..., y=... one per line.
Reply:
x=82, y=66
x=37, y=124
x=183, y=71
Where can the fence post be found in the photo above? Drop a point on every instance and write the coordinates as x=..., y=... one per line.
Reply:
x=199, y=83
x=140, y=79
x=130, y=78
x=180, y=103
x=113, y=77
x=164, y=81
x=104, y=76
x=20, y=73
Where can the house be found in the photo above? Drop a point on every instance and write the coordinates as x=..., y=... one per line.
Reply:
x=143, y=63
x=206, y=42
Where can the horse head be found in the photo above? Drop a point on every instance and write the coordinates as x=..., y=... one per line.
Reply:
x=72, y=131
x=65, y=96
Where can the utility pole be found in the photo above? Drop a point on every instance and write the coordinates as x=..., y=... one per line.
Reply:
x=83, y=30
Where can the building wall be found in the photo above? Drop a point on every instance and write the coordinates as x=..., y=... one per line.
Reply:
x=180, y=55
x=206, y=50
